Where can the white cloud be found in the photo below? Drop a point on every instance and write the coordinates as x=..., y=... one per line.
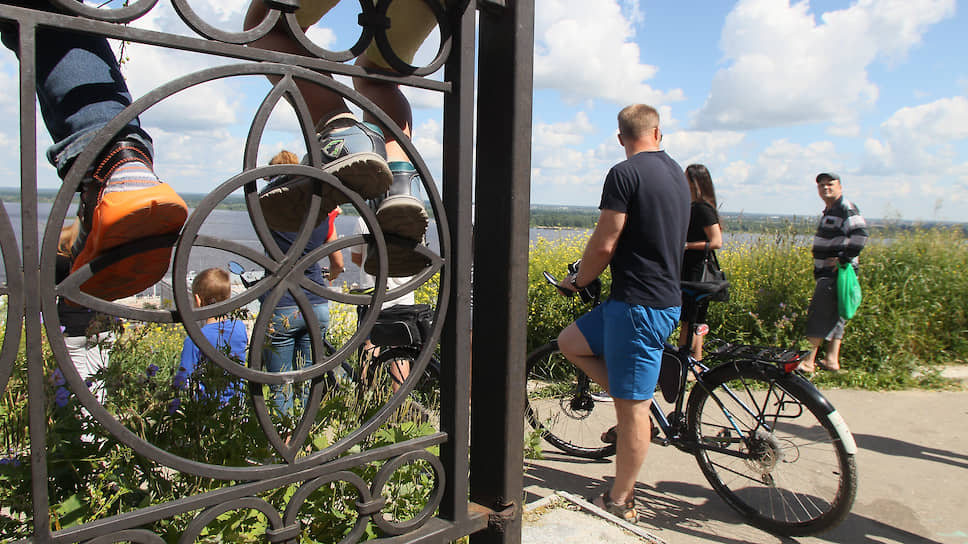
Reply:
x=912, y=172
x=920, y=139
x=422, y=99
x=780, y=180
x=196, y=162
x=560, y=134
x=918, y=158
x=566, y=169
x=709, y=148
x=785, y=68
x=592, y=57
x=428, y=138
x=737, y=172
x=939, y=121
x=208, y=105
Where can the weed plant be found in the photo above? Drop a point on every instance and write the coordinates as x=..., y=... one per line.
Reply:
x=93, y=476
x=913, y=319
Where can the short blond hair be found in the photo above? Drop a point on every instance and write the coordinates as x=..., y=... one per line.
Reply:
x=284, y=157
x=68, y=235
x=635, y=120
x=212, y=285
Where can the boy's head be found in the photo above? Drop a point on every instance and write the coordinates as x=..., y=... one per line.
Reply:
x=210, y=286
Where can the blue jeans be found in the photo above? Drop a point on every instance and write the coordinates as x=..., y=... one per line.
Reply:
x=289, y=344
x=79, y=87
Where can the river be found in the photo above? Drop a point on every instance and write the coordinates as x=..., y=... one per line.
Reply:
x=235, y=225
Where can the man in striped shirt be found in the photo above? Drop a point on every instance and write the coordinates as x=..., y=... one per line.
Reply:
x=840, y=237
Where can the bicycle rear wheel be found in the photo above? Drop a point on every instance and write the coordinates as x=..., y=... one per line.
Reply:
x=383, y=377
x=561, y=406
x=773, y=448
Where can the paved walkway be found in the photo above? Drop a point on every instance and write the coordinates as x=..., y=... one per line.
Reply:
x=913, y=482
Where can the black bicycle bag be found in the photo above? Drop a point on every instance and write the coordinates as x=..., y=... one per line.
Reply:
x=402, y=325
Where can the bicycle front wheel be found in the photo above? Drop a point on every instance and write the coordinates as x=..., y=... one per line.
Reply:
x=569, y=411
x=773, y=448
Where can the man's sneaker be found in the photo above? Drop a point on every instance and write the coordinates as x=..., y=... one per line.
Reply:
x=403, y=219
x=352, y=151
x=124, y=203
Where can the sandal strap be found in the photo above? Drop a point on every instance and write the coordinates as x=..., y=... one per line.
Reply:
x=625, y=511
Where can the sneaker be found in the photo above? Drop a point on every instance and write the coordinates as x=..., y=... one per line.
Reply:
x=125, y=203
x=353, y=152
x=404, y=220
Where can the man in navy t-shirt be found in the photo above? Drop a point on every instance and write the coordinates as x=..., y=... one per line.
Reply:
x=640, y=235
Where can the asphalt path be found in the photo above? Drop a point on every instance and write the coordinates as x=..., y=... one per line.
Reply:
x=913, y=480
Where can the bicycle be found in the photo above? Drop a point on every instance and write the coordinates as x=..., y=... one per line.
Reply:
x=764, y=437
x=376, y=375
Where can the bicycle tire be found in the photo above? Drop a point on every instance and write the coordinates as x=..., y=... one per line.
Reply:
x=423, y=403
x=798, y=478
x=566, y=418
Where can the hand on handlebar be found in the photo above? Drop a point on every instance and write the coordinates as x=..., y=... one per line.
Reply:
x=565, y=286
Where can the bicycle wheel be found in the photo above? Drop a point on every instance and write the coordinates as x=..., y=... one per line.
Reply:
x=383, y=377
x=561, y=406
x=773, y=448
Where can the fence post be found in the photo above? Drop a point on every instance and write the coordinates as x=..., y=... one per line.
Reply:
x=501, y=264
x=458, y=170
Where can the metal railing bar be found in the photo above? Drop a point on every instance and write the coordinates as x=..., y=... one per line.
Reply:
x=208, y=47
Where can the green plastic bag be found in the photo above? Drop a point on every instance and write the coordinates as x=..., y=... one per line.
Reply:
x=848, y=291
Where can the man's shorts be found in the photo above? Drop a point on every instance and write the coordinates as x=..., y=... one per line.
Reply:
x=410, y=23
x=823, y=320
x=630, y=338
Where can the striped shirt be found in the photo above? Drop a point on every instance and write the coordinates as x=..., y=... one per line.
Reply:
x=842, y=233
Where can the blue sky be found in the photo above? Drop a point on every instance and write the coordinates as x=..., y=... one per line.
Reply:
x=766, y=93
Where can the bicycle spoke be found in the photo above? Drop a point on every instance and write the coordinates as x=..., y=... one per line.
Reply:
x=763, y=447
x=560, y=406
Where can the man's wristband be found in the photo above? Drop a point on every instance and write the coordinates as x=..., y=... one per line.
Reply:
x=574, y=282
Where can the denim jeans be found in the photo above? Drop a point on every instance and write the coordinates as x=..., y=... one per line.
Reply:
x=79, y=87
x=288, y=345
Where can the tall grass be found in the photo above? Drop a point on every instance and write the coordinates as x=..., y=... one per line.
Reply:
x=92, y=475
x=913, y=318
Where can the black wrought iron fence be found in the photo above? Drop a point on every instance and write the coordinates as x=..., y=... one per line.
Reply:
x=123, y=456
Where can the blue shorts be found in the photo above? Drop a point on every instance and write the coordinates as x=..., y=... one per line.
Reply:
x=630, y=338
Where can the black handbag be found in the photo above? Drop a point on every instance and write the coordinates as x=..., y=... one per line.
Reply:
x=712, y=273
x=402, y=325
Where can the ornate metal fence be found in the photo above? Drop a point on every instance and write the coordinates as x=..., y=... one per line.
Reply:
x=244, y=469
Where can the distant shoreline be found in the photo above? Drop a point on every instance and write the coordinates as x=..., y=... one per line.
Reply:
x=552, y=216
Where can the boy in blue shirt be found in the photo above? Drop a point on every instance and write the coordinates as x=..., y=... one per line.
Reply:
x=210, y=286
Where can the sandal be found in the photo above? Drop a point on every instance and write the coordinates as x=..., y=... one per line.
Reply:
x=610, y=436
x=625, y=512
x=822, y=365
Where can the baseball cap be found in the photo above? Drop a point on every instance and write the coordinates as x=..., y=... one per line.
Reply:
x=826, y=176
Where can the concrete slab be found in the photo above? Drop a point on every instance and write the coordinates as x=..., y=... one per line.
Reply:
x=913, y=483
x=556, y=520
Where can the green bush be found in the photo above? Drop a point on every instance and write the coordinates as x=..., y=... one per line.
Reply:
x=93, y=476
x=548, y=311
x=914, y=316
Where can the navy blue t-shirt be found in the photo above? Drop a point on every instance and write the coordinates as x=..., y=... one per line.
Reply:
x=652, y=191
x=314, y=272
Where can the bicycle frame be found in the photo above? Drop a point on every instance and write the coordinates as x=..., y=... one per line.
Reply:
x=748, y=420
